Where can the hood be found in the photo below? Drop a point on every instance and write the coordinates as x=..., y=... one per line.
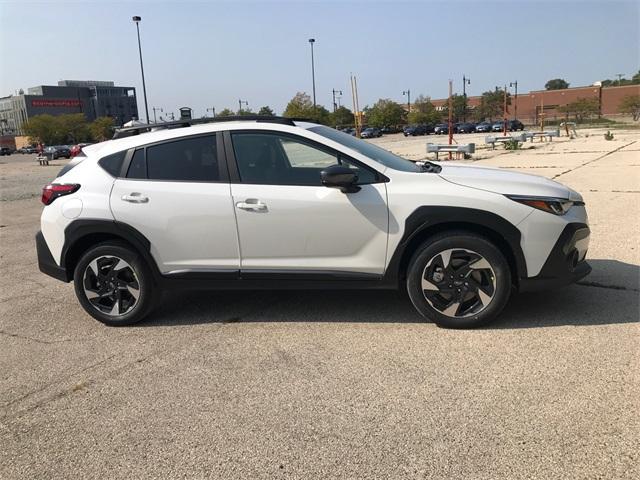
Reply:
x=506, y=182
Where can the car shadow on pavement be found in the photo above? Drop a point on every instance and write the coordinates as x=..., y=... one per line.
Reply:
x=593, y=302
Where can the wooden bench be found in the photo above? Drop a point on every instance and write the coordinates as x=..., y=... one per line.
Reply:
x=461, y=149
x=42, y=160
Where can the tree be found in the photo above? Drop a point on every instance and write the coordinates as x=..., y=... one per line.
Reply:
x=384, y=112
x=581, y=108
x=631, y=104
x=342, y=117
x=301, y=106
x=556, y=84
x=73, y=128
x=101, y=128
x=226, y=113
x=244, y=111
x=266, y=111
x=635, y=80
x=43, y=129
x=423, y=112
x=491, y=105
x=459, y=104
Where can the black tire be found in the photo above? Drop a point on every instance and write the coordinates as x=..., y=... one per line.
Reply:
x=495, y=281
x=135, y=308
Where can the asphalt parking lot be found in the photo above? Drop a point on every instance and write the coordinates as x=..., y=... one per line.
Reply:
x=332, y=384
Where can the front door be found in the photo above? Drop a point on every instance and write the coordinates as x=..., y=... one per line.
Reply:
x=288, y=221
x=176, y=194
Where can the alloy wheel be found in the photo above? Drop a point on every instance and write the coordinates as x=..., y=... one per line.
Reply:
x=111, y=285
x=458, y=282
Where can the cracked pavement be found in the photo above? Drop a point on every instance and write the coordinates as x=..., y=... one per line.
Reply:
x=331, y=384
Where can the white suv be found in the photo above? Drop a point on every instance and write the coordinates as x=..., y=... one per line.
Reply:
x=271, y=203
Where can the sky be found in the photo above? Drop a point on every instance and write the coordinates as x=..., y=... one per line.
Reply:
x=205, y=54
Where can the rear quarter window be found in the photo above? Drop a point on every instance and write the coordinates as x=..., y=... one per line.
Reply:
x=76, y=161
x=113, y=163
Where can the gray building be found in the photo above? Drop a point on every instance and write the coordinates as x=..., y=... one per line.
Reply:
x=92, y=98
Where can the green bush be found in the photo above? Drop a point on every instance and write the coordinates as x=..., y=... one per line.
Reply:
x=512, y=144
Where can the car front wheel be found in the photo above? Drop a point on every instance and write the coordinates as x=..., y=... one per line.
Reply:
x=459, y=280
x=114, y=285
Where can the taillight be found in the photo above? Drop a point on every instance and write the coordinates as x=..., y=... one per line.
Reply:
x=54, y=190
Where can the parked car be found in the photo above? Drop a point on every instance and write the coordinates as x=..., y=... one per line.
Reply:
x=466, y=128
x=483, y=127
x=301, y=205
x=497, y=126
x=415, y=130
x=27, y=149
x=371, y=133
x=5, y=151
x=57, y=151
x=76, y=149
x=388, y=130
x=441, y=129
x=514, y=125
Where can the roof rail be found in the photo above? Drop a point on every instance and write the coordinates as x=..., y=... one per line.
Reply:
x=147, y=127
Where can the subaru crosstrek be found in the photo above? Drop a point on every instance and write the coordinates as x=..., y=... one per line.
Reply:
x=272, y=203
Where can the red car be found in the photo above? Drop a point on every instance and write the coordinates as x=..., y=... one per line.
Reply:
x=76, y=149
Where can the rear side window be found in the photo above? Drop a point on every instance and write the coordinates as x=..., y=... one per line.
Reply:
x=190, y=159
x=113, y=163
x=137, y=167
x=70, y=165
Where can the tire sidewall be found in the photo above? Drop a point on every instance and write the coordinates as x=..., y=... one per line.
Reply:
x=143, y=274
x=467, y=241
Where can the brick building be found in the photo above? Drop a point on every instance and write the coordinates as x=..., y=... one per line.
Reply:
x=529, y=105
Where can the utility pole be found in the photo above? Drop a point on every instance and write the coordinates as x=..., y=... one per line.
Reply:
x=213, y=111
x=335, y=105
x=159, y=109
x=313, y=73
x=504, y=112
x=619, y=75
x=408, y=94
x=465, y=81
x=515, y=108
x=450, y=127
x=240, y=102
x=356, y=110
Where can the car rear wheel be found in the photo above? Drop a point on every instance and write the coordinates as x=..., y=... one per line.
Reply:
x=114, y=285
x=459, y=280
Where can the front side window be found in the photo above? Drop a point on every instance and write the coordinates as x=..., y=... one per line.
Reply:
x=188, y=160
x=274, y=159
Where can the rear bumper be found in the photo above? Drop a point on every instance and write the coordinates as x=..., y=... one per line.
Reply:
x=46, y=263
x=566, y=263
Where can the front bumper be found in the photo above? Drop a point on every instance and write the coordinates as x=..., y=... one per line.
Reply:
x=566, y=263
x=46, y=263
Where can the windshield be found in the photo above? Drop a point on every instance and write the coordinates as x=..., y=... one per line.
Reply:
x=367, y=149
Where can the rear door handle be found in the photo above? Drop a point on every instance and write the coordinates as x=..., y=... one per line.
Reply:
x=135, y=197
x=252, y=204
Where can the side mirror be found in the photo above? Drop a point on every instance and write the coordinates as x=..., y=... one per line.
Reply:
x=337, y=176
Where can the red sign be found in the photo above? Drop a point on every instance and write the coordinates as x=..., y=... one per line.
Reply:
x=56, y=103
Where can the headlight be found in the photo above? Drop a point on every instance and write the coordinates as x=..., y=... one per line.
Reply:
x=557, y=206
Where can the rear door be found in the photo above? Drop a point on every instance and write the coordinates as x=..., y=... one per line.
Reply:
x=176, y=193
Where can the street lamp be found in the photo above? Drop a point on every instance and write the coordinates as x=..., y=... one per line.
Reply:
x=335, y=105
x=408, y=94
x=213, y=111
x=159, y=109
x=240, y=102
x=515, y=109
x=465, y=81
x=313, y=73
x=137, y=21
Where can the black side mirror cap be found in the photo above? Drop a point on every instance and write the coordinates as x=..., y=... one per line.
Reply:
x=338, y=176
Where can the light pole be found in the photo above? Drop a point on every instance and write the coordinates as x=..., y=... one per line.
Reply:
x=335, y=105
x=408, y=94
x=619, y=75
x=240, y=102
x=159, y=109
x=313, y=73
x=515, y=107
x=465, y=81
x=213, y=111
x=137, y=21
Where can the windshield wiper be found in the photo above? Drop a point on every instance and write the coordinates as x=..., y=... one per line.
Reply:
x=429, y=167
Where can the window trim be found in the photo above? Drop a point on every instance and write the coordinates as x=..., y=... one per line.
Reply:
x=223, y=171
x=234, y=172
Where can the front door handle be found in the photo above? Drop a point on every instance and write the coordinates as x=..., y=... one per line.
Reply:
x=253, y=205
x=135, y=197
